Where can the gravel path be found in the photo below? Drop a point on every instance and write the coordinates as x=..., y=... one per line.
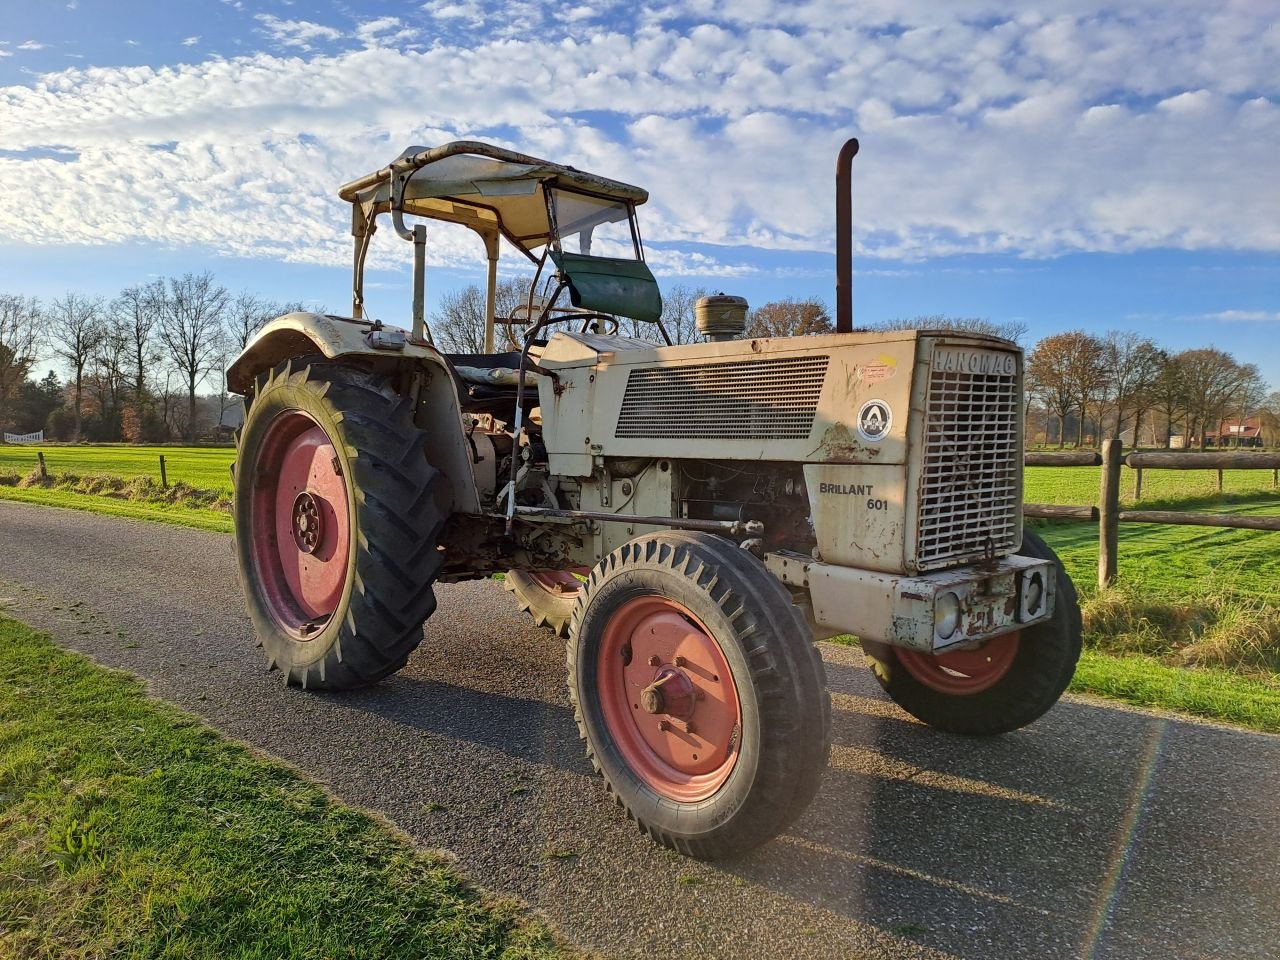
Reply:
x=1096, y=833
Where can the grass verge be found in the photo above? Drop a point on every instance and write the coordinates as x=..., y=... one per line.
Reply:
x=1214, y=694
x=137, y=498
x=130, y=829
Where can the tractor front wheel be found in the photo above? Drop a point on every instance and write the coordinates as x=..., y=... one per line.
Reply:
x=699, y=693
x=336, y=524
x=1000, y=686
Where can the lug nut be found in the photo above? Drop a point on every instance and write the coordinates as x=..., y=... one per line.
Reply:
x=663, y=726
x=679, y=661
x=655, y=660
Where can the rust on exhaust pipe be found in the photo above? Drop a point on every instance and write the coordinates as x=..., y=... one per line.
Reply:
x=844, y=236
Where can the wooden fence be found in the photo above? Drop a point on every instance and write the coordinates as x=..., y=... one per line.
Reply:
x=1108, y=514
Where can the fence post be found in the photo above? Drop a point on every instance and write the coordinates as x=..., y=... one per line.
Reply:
x=1137, y=483
x=1275, y=479
x=1219, y=479
x=164, y=477
x=1109, y=514
x=44, y=471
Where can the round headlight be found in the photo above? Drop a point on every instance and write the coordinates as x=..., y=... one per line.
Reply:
x=946, y=615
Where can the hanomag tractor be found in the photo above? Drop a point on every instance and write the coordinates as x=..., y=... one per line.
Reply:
x=692, y=517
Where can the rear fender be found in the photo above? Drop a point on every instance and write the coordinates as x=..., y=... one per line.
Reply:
x=338, y=338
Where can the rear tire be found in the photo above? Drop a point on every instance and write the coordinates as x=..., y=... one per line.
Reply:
x=1029, y=670
x=337, y=524
x=548, y=596
x=699, y=692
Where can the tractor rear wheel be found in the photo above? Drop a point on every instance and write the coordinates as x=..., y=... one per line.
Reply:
x=1005, y=684
x=546, y=595
x=336, y=524
x=699, y=693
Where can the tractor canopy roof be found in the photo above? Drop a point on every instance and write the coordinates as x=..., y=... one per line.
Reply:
x=493, y=191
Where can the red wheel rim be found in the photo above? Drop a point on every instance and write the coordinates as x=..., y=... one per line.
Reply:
x=964, y=671
x=558, y=583
x=301, y=523
x=668, y=699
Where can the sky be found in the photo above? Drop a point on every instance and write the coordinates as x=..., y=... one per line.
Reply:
x=1066, y=164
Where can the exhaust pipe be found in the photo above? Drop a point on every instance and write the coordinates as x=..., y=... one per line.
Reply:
x=844, y=237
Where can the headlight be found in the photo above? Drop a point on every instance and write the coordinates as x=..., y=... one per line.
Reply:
x=1034, y=593
x=946, y=615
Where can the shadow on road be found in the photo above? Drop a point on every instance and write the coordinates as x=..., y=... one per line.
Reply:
x=1054, y=841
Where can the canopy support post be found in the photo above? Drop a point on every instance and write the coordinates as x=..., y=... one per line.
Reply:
x=491, y=297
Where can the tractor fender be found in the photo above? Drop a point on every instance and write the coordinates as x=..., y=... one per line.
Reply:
x=382, y=347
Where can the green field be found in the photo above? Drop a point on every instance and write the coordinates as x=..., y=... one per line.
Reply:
x=130, y=829
x=1079, y=485
x=206, y=468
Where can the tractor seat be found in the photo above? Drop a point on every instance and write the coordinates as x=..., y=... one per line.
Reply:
x=488, y=382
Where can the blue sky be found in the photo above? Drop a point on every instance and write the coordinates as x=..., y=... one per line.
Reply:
x=1067, y=164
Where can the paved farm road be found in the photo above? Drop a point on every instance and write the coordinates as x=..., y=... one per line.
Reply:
x=1098, y=832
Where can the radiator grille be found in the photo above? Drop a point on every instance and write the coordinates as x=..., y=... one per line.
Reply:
x=971, y=483
x=753, y=400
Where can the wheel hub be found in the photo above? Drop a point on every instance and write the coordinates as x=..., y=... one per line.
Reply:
x=672, y=692
x=308, y=525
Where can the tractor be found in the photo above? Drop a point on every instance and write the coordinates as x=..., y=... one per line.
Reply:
x=691, y=518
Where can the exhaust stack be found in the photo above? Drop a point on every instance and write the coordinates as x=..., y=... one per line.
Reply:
x=844, y=237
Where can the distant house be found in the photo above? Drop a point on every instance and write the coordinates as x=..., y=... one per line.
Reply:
x=1235, y=432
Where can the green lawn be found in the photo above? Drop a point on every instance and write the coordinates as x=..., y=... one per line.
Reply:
x=130, y=829
x=1079, y=485
x=206, y=468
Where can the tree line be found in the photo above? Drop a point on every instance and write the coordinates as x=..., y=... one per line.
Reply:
x=1125, y=386
x=132, y=365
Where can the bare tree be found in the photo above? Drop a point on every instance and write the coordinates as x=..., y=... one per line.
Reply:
x=247, y=314
x=135, y=311
x=678, y=303
x=1134, y=363
x=789, y=318
x=75, y=326
x=1168, y=395
x=1013, y=330
x=109, y=371
x=21, y=327
x=191, y=311
x=458, y=325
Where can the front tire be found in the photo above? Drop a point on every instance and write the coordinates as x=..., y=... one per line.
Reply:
x=699, y=692
x=1001, y=686
x=336, y=524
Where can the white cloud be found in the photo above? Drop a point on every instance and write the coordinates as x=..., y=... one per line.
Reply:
x=31, y=45
x=1074, y=129
x=296, y=33
x=190, y=41
x=6, y=53
x=1244, y=316
x=384, y=31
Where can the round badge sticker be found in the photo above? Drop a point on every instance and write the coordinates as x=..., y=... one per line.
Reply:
x=874, y=420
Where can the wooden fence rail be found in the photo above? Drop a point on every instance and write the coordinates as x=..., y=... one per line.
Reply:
x=1108, y=513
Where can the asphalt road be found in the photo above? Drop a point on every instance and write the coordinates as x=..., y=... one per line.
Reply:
x=1096, y=833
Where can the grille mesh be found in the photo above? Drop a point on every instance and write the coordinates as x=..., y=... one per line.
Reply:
x=972, y=466
x=756, y=400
